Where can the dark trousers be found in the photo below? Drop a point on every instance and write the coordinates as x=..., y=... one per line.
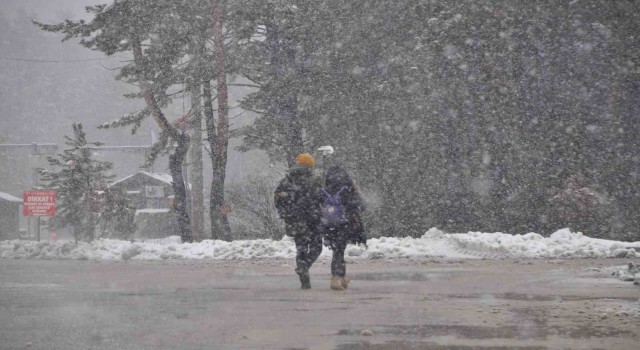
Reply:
x=308, y=245
x=337, y=241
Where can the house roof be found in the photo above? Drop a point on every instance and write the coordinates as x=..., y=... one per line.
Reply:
x=166, y=178
x=10, y=198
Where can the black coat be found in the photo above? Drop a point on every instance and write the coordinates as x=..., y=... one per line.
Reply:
x=297, y=197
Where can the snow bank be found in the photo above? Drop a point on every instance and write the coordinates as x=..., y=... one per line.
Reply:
x=561, y=244
x=170, y=248
x=434, y=243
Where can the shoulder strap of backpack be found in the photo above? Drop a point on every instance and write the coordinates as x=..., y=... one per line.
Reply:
x=340, y=191
x=333, y=197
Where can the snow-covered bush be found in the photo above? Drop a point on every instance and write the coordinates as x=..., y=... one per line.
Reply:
x=155, y=223
x=253, y=214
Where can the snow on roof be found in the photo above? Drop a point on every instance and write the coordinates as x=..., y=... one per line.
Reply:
x=10, y=198
x=153, y=210
x=166, y=178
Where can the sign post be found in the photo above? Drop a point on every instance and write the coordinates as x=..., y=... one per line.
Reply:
x=39, y=203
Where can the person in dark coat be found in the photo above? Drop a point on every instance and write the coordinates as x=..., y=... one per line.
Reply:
x=298, y=203
x=337, y=180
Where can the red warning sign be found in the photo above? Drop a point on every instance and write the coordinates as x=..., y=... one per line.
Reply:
x=39, y=203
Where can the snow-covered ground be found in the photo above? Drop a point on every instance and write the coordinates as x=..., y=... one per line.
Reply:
x=433, y=244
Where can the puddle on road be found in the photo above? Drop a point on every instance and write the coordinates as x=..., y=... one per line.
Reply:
x=516, y=297
x=531, y=297
x=399, y=276
x=527, y=328
x=31, y=286
x=458, y=331
x=408, y=345
x=139, y=294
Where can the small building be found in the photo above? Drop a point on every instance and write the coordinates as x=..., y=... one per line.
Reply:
x=9, y=216
x=152, y=195
x=147, y=190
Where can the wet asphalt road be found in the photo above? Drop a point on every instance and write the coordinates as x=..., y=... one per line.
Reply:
x=404, y=304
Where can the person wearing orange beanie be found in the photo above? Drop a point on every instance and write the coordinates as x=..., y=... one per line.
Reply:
x=297, y=200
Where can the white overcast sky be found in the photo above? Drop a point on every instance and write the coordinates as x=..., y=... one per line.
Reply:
x=48, y=10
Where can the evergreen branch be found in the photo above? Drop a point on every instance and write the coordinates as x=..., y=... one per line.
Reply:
x=126, y=120
x=246, y=85
x=158, y=148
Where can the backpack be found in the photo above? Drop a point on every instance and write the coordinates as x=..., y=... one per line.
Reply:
x=333, y=212
x=288, y=198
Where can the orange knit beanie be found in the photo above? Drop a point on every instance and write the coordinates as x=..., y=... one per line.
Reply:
x=305, y=159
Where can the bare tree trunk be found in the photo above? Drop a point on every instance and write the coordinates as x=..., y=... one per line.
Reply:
x=197, y=183
x=221, y=142
x=176, y=159
x=217, y=209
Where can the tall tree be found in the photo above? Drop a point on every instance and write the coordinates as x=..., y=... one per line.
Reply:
x=462, y=115
x=77, y=177
x=270, y=53
x=219, y=141
x=127, y=26
x=197, y=189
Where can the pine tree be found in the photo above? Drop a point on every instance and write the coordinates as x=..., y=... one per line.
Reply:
x=77, y=177
x=168, y=40
x=154, y=32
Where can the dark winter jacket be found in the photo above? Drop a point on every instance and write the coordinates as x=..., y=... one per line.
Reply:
x=297, y=197
x=335, y=179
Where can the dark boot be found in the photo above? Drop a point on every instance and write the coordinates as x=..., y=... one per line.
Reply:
x=305, y=280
